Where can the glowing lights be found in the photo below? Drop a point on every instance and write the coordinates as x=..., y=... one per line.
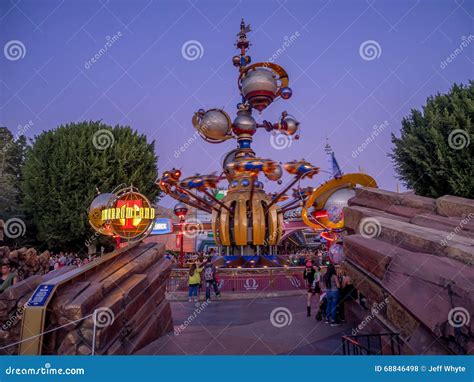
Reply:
x=127, y=214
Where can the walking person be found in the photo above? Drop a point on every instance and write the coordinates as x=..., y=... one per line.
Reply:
x=210, y=279
x=317, y=287
x=340, y=311
x=194, y=282
x=308, y=275
x=332, y=294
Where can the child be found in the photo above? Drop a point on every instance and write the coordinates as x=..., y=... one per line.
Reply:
x=210, y=278
x=194, y=282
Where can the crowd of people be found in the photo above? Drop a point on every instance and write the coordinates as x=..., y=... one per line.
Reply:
x=301, y=257
x=331, y=289
x=328, y=288
x=9, y=271
x=59, y=260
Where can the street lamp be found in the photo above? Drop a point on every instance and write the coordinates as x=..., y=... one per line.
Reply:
x=180, y=210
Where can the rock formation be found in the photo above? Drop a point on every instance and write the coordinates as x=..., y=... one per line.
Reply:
x=25, y=262
x=418, y=253
x=127, y=292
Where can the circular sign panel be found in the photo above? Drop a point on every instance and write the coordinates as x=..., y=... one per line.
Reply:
x=94, y=213
x=127, y=213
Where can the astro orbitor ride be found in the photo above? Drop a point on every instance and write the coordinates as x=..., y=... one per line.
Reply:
x=247, y=215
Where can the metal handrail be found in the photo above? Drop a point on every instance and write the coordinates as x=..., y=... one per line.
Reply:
x=357, y=346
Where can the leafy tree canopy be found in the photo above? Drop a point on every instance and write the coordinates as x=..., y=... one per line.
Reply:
x=66, y=166
x=434, y=154
x=12, y=157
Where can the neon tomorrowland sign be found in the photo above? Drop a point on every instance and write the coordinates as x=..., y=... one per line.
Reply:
x=125, y=213
x=130, y=213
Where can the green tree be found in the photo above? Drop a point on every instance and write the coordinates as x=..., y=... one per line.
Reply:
x=12, y=157
x=66, y=166
x=434, y=154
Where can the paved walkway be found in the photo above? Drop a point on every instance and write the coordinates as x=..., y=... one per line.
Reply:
x=245, y=327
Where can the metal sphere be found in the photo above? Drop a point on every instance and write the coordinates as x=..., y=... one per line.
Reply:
x=259, y=87
x=339, y=198
x=244, y=123
x=214, y=124
x=286, y=93
x=289, y=125
x=100, y=203
x=180, y=209
x=236, y=60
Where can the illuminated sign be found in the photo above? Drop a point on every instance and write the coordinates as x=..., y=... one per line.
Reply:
x=126, y=214
x=162, y=226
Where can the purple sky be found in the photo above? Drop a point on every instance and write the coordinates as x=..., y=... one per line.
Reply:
x=144, y=81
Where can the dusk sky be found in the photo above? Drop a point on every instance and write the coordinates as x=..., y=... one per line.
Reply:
x=147, y=81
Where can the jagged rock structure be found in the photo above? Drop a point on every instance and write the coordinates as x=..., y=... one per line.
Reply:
x=418, y=253
x=25, y=262
x=129, y=288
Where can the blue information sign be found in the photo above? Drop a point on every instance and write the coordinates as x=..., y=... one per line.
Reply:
x=41, y=294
